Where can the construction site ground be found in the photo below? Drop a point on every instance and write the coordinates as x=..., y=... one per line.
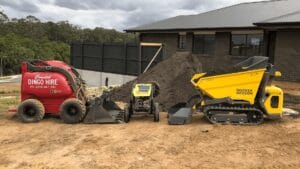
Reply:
x=143, y=143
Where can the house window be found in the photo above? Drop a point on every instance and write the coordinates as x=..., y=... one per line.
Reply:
x=247, y=45
x=181, y=41
x=204, y=44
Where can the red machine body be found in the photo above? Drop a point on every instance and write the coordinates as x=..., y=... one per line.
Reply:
x=49, y=87
x=53, y=87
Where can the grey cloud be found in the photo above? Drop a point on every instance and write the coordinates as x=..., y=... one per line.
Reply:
x=135, y=20
x=20, y=5
x=194, y=4
x=126, y=5
x=140, y=11
x=118, y=14
x=144, y=17
x=130, y=5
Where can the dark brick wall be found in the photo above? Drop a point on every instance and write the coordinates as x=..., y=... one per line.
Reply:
x=287, y=54
x=223, y=61
x=189, y=41
x=220, y=61
x=168, y=39
x=287, y=51
x=222, y=43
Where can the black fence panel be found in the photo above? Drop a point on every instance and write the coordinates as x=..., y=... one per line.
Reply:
x=92, y=59
x=127, y=59
x=76, y=55
x=132, y=59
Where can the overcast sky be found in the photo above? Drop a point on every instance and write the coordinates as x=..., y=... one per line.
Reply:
x=117, y=14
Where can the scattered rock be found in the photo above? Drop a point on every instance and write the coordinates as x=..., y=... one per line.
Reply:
x=290, y=112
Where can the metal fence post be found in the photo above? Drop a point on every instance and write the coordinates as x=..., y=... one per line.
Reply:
x=102, y=57
x=125, y=58
x=82, y=56
x=140, y=59
x=72, y=54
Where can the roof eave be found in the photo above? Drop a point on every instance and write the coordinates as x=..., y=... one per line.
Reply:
x=277, y=23
x=188, y=29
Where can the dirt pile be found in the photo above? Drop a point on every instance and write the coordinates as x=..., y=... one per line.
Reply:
x=173, y=76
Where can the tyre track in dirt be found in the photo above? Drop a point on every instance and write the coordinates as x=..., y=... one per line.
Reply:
x=145, y=144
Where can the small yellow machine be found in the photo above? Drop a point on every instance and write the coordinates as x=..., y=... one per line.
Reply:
x=142, y=101
x=241, y=97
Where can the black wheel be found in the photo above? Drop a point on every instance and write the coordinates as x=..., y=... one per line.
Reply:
x=72, y=111
x=151, y=108
x=31, y=111
x=130, y=110
x=126, y=115
x=156, y=112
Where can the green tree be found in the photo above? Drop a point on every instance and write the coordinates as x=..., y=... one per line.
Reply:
x=29, y=38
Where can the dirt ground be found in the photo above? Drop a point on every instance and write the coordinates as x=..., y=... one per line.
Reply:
x=145, y=144
x=289, y=87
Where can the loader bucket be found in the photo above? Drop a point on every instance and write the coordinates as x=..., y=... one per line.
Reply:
x=103, y=110
x=179, y=114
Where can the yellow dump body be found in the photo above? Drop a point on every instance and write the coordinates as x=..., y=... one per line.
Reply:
x=238, y=86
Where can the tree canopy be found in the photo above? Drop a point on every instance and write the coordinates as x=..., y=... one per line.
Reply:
x=29, y=38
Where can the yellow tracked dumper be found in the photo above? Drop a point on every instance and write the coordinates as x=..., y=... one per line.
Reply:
x=244, y=96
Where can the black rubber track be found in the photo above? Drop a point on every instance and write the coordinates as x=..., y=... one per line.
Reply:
x=237, y=110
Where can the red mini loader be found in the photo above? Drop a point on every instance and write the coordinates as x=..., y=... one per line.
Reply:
x=53, y=87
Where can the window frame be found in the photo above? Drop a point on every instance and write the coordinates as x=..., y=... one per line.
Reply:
x=181, y=41
x=260, y=46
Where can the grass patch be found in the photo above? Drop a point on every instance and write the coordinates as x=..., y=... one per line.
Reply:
x=10, y=89
x=15, y=91
x=5, y=103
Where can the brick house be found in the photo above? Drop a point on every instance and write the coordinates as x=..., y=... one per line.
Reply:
x=230, y=34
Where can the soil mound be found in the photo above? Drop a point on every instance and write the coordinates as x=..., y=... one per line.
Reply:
x=173, y=75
